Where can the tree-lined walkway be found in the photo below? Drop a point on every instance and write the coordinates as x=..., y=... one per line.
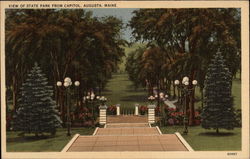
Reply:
x=119, y=90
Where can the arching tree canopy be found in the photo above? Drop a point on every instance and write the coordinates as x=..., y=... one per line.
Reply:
x=187, y=40
x=67, y=42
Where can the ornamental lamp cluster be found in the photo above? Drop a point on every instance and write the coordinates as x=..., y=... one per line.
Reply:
x=67, y=82
x=92, y=97
x=162, y=96
x=185, y=81
x=186, y=92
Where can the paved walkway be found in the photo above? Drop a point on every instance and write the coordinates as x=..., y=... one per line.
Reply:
x=127, y=131
x=127, y=137
x=169, y=142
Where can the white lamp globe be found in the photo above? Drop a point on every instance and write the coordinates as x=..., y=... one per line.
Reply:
x=77, y=83
x=186, y=83
x=161, y=95
x=176, y=82
x=59, y=83
x=185, y=79
x=67, y=79
x=194, y=82
x=66, y=84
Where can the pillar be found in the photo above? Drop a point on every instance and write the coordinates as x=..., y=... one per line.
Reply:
x=103, y=114
x=151, y=114
x=136, y=109
x=118, y=109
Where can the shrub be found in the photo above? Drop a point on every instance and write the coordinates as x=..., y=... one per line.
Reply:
x=143, y=109
x=82, y=117
x=111, y=110
x=175, y=117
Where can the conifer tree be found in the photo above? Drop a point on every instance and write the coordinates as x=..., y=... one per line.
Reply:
x=218, y=109
x=36, y=111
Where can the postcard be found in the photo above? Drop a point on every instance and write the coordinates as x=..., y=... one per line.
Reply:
x=125, y=79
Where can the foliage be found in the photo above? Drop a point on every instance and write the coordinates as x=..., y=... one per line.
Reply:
x=183, y=42
x=68, y=42
x=36, y=111
x=143, y=110
x=175, y=117
x=111, y=110
x=218, y=111
x=83, y=117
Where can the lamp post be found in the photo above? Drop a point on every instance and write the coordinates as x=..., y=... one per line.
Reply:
x=92, y=98
x=67, y=83
x=161, y=98
x=186, y=91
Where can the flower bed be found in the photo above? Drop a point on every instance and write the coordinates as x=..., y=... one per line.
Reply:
x=111, y=110
x=143, y=110
x=175, y=117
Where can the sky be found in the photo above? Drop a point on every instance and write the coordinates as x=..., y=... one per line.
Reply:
x=125, y=14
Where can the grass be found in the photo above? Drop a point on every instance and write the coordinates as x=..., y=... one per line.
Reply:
x=119, y=90
x=29, y=143
x=207, y=140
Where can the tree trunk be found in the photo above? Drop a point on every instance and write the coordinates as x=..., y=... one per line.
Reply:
x=178, y=94
x=202, y=97
x=192, y=95
x=14, y=92
x=217, y=130
x=174, y=90
x=158, y=93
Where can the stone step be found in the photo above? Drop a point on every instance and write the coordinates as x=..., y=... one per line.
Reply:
x=122, y=125
x=128, y=131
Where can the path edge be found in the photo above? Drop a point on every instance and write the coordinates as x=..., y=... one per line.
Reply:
x=184, y=142
x=96, y=129
x=65, y=149
x=159, y=130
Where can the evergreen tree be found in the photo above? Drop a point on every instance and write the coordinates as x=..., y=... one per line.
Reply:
x=36, y=111
x=218, y=109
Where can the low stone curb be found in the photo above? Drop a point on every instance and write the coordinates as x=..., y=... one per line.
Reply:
x=96, y=129
x=65, y=149
x=184, y=142
x=159, y=130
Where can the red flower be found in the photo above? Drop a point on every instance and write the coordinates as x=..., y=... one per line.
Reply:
x=197, y=114
x=197, y=122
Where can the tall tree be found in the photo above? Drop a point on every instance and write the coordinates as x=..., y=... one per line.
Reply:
x=65, y=43
x=218, y=111
x=36, y=112
x=189, y=38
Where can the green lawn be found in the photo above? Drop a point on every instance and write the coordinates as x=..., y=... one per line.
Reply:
x=207, y=140
x=119, y=90
x=29, y=143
